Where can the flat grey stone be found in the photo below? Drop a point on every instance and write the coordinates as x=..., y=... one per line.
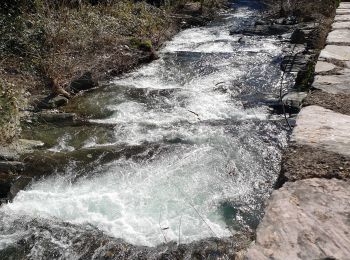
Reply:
x=343, y=11
x=342, y=17
x=336, y=52
x=334, y=84
x=29, y=145
x=339, y=37
x=307, y=219
x=341, y=25
x=334, y=88
x=344, y=5
x=322, y=66
x=323, y=128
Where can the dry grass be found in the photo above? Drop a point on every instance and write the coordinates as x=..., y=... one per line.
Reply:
x=44, y=39
x=62, y=42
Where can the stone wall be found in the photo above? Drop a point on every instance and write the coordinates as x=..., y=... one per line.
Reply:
x=308, y=216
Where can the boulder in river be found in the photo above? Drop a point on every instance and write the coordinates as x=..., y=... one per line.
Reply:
x=298, y=37
x=85, y=82
x=51, y=102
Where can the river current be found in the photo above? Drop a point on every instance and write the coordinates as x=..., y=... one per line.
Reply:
x=211, y=148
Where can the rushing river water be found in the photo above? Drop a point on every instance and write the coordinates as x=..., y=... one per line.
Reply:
x=211, y=149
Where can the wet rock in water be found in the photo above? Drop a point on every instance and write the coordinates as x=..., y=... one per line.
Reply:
x=307, y=219
x=263, y=30
x=85, y=82
x=295, y=63
x=17, y=185
x=298, y=37
x=45, y=162
x=11, y=166
x=53, y=117
x=5, y=186
x=28, y=145
x=293, y=101
x=50, y=102
x=88, y=242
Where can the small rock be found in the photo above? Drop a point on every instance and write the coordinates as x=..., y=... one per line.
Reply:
x=294, y=100
x=58, y=101
x=51, y=102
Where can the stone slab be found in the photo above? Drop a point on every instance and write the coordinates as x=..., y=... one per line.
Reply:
x=344, y=5
x=341, y=11
x=342, y=17
x=336, y=52
x=341, y=25
x=322, y=66
x=334, y=84
x=307, y=219
x=324, y=129
x=339, y=37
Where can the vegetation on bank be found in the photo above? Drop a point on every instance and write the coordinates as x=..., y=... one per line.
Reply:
x=9, y=118
x=45, y=40
x=306, y=10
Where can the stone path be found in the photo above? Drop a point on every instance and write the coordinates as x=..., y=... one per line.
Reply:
x=309, y=216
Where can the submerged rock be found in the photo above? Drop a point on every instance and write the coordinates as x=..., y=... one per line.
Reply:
x=263, y=30
x=307, y=219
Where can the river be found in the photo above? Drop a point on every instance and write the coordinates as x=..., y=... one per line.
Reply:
x=211, y=149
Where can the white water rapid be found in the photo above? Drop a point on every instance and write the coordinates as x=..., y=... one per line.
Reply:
x=212, y=147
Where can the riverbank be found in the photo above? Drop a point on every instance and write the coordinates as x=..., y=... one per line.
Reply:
x=59, y=49
x=52, y=53
x=307, y=216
